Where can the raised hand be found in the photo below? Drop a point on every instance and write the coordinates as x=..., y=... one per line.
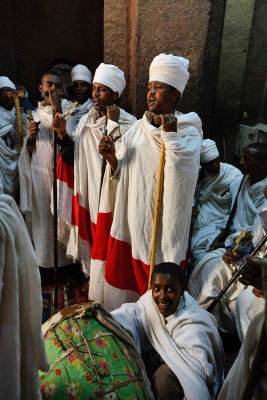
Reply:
x=33, y=130
x=59, y=124
x=168, y=122
x=55, y=99
x=106, y=149
x=113, y=113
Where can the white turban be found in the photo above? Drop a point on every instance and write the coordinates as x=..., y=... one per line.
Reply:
x=111, y=76
x=81, y=73
x=209, y=151
x=6, y=82
x=171, y=70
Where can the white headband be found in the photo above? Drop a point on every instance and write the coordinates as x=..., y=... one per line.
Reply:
x=171, y=70
x=209, y=151
x=6, y=82
x=81, y=73
x=111, y=76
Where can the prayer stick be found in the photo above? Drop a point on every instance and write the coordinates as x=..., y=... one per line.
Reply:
x=16, y=96
x=157, y=210
x=236, y=275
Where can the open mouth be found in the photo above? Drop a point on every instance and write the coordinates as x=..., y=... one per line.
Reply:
x=151, y=101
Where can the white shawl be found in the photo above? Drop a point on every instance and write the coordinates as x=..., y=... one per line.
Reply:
x=36, y=181
x=73, y=120
x=214, y=208
x=188, y=342
x=21, y=341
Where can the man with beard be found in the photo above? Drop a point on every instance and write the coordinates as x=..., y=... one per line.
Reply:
x=122, y=272
x=80, y=187
x=216, y=267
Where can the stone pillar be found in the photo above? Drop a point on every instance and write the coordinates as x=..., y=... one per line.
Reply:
x=135, y=31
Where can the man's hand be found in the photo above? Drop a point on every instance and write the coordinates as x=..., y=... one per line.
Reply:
x=106, y=149
x=59, y=124
x=55, y=99
x=113, y=113
x=218, y=242
x=229, y=257
x=168, y=123
x=252, y=274
x=33, y=130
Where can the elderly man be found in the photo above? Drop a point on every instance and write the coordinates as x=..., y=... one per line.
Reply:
x=216, y=268
x=81, y=78
x=167, y=323
x=79, y=188
x=9, y=149
x=215, y=198
x=36, y=171
x=127, y=252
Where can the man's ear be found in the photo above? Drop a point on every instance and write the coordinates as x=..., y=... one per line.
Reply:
x=176, y=96
x=40, y=87
x=115, y=97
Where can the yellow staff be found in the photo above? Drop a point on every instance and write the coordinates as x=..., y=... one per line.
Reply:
x=157, y=210
x=16, y=96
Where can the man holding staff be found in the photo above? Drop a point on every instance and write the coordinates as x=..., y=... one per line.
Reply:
x=127, y=253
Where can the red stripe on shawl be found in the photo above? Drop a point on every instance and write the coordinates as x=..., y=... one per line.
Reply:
x=81, y=219
x=125, y=272
x=101, y=236
x=65, y=173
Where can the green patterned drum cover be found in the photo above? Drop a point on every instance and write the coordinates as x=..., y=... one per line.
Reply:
x=89, y=359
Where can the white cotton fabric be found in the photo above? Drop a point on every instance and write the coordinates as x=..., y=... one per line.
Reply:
x=87, y=176
x=187, y=341
x=6, y=82
x=9, y=149
x=170, y=69
x=21, y=341
x=110, y=76
x=81, y=73
x=134, y=207
x=73, y=120
x=211, y=273
x=209, y=151
x=214, y=207
x=36, y=182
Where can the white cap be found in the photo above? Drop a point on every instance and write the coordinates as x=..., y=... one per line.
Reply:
x=6, y=82
x=110, y=76
x=81, y=73
x=171, y=70
x=209, y=151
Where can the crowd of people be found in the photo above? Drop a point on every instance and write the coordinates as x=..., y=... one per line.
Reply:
x=107, y=183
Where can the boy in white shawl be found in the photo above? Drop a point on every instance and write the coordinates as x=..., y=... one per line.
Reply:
x=216, y=267
x=120, y=265
x=185, y=337
x=9, y=141
x=79, y=186
x=215, y=198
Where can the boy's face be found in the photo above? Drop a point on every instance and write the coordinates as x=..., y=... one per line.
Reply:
x=166, y=292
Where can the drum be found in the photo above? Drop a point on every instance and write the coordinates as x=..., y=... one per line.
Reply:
x=91, y=357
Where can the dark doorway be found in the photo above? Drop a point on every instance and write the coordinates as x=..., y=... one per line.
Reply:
x=35, y=34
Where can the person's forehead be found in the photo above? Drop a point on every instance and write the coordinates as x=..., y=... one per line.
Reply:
x=159, y=83
x=165, y=279
x=249, y=152
x=6, y=89
x=51, y=78
x=80, y=81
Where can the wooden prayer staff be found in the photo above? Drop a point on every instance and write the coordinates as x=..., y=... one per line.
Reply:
x=236, y=275
x=16, y=96
x=55, y=221
x=157, y=210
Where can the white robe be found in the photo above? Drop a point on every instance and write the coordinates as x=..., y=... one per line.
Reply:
x=211, y=273
x=9, y=150
x=36, y=181
x=120, y=269
x=78, y=201
x=188, y=341
x=21, y=341
x=214, y=208
x=73, y=120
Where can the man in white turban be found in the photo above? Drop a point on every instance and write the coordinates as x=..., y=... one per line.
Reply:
x=121, y=268
x=215, y=198
x=9, y=141
x=81, y=78
x=81, y=168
